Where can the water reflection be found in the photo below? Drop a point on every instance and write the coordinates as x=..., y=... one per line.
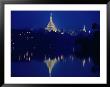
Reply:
x=89, y=59
x=84, y=61
x=56, y=66
x=50, y=64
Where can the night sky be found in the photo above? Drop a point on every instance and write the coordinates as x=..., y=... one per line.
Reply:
x=62, y=19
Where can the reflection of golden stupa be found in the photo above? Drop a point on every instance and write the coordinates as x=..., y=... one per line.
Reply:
x=50, y=64
x=51, y=26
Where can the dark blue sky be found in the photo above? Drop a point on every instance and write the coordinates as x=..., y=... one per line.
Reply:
x=62, y=19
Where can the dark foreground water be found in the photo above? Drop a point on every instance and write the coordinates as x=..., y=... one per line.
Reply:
x=71, y=67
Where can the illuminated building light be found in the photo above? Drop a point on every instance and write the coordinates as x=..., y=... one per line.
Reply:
x=49, y=59
x=84, y=61
x=62, y=57
x=29, y=58
x=20, y=34
x=62, y=33
x=84, y=29
x=27, y=53
x=58, y=58
x=89, y=59
x=24, y=56
x=55, y=59
x=72, y=58
x=89, y=31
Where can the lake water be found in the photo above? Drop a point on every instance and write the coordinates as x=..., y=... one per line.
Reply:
x=68, y=67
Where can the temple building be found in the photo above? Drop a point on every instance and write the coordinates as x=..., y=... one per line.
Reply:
x=51, y=26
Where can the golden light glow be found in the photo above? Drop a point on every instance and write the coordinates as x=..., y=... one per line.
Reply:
x=51, y=26
x=50, y=64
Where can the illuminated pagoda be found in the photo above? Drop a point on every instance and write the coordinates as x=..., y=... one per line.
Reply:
x=51, y=26
x=84, y=28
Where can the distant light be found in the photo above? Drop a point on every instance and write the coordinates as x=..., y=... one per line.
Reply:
x=84, y=62
x=27, y=53
x=49, y=59
x=55, y=31
x=62, y=57
x=29, y=58
x=84, y=29
x=72, y=58
x=55, y=59
x=20, y=34
x=58, y=58
x=89, y=59
x=24, y=56
x=89, y=31
x=62, y=33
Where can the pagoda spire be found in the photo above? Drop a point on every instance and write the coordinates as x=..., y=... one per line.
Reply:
x=51, y=16
x=51, y=26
